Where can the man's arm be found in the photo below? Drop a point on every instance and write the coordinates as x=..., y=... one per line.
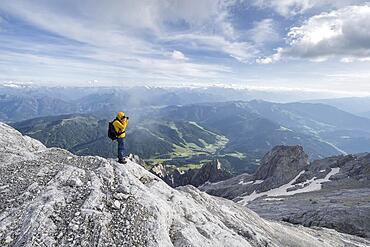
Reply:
x=120, y=127
x=124, y=124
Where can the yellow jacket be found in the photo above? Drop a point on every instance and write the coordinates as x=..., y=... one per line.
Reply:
x=120, y=127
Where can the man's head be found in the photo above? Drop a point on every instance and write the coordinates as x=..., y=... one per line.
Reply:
x=120, y=115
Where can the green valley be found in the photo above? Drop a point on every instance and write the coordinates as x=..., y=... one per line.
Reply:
x=175, y=144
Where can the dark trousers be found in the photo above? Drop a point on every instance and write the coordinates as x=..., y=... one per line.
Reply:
x=121, y=148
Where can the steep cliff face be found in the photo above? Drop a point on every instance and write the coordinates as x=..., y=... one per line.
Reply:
x=281, y=165
x=51, y=197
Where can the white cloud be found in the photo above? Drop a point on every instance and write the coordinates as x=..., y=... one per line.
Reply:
x=264, y=32
x=342, y=33
x=178, y=55
x=272, y=59
x=289, y=8
x=110, y=68
x=117, y=41
x=242, y=51
x=167, y=40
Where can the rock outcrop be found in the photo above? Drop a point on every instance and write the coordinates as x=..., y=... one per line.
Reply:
x=209, y=173
x=159, y=170
x=280, y=165
x=50, y=197
x=332, y=192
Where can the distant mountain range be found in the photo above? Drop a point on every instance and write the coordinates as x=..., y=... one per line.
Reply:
x=255, y=127
x=20, y=102
x=237, y=133
x=167, y=124
x=356, y=105
x=21, y=107
x=365, y=114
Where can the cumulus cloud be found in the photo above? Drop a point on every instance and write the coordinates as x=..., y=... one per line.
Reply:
x=174, y=40
x=178, y=55
x=289, y=8
x=342, y=33
x=272, y=59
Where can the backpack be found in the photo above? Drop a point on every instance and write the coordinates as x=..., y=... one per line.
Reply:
x=112, y=134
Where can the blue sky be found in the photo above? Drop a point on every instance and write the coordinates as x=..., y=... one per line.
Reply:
x=265, y=44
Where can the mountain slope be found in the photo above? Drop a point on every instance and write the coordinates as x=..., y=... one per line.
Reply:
x=365, y=114
x=356, y=105
x=238, y=132
x=248, y=130
x=23, y=102
x=332, y=192
x=305, y=116
x=255, y=127
x=21, y=107
x=51, y=197
x=170, y=142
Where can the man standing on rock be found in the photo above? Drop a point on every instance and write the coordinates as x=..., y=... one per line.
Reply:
x=120, y=124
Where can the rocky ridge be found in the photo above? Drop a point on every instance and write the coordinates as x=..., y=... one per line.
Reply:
x=209, y=173
x=51, y=197
x=278, y=167
x=332, y=192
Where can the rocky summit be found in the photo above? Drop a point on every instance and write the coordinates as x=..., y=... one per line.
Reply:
x=333, y=192
x=280, y=165
x=50, y=197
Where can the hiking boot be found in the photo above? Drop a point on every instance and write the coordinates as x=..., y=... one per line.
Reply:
x=122, y=161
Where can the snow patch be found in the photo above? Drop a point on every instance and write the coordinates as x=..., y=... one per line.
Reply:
x=335, y=147
x=308, y=186
x=282, y=128
x=245, y=183
x=274, y=199
x=311, y=130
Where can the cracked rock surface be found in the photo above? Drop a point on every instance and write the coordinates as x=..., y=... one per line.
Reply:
x=49, y=197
